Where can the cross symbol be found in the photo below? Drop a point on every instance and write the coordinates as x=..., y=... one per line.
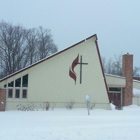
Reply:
x=81, y=68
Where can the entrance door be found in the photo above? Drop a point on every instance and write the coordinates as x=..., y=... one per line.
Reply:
x=115, y=98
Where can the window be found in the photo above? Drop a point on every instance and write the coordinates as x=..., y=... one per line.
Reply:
x=10, y=93
x=18, y=88
x=24, y=93
x=17, y=93
x=18, y=82
x=25, y=81
x=11, y=84
x=116, y=89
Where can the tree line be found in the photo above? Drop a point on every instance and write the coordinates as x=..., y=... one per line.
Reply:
x=21, y=47
x=114, y=66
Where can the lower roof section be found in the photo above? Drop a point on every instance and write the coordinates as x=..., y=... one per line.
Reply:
x=115, y=81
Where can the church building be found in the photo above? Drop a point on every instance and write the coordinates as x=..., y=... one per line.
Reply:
x=69, y=76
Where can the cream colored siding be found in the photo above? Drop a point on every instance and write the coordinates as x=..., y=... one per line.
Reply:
x=115, y=81
x=2, y=84
x=12, y=104
x=136, y=100
x=50, y=80
x=136, y=84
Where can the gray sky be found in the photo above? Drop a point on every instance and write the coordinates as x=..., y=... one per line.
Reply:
x=116, y=23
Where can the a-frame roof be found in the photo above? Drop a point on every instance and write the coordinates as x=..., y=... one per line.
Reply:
x=42, y=60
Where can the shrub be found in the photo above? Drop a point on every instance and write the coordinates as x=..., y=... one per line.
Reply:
x=69, y=105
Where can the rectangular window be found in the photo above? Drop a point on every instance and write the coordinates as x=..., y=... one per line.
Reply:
x=17, y=93
x=18, y=82
x=24, y=93
x=25, y=81
x=10, y=93
x=116, y=89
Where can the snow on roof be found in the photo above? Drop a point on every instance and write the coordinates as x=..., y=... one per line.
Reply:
x=136, y=81
x=114, y=76
x=136, y=92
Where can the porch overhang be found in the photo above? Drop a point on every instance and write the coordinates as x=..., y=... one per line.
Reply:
x=115, y=81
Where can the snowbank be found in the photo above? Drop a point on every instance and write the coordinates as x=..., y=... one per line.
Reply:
x=112, y=106
x=136, y=92
x=75, y=124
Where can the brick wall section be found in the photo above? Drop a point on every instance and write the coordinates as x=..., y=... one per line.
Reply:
x=127, y=72
x=2, y=99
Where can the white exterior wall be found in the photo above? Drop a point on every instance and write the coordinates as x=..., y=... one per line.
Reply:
x=50, y=80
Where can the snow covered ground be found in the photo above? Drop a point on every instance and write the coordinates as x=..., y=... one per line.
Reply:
x=63, y=124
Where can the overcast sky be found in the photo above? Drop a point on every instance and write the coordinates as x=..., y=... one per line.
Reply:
x=116, y=23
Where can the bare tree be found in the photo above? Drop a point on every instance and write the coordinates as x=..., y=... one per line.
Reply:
x=46, y=45
x=11, y=47
x=114, y=66
x=103, y=63
x=20, y=47
x=109, y=66
x=31, y=45
x=136, y=72
x=117, y=65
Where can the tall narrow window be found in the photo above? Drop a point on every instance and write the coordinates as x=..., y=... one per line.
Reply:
x=25, y=81
x=5, y=86
x=24, y=93
x=18, y=82
x=17, y=93
x=10, y=93
x=11, y=84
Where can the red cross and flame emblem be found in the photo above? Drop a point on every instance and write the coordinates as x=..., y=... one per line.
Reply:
x=72, y=73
